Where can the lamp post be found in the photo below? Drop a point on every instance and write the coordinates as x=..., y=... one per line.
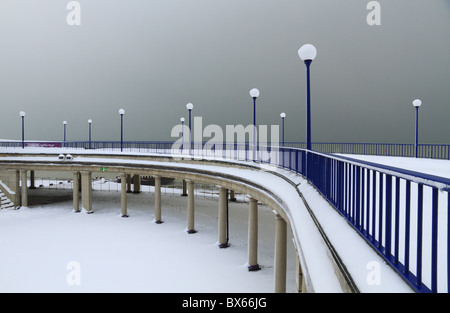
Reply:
x=121, y=112
x=417, y=103
x=254, y=93
x=307, y=53
x=90, y=123
x=22, y=114
x=282, y=115
x=65, y=124
x=182, y=133
x=190, y=106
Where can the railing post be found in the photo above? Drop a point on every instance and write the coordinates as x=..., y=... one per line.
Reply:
x=419, y=234
x=388, y=223
x=434, y=240
x=407, y=224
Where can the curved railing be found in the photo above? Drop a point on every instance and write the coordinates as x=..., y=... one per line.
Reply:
x=403, y=215
x=432, y=151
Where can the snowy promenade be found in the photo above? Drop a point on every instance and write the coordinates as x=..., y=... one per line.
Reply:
x=134, y=254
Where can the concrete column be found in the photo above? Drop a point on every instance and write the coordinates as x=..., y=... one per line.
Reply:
x=190, y=210
x=253, y=236
x=128, y=183
x=223, y=242
x=76, y=192
x=184, y=194
x=158, y=200
x=232, y=196
x=86, y=191
x=32, y=186
x=24, y=188
x=300, y=281
x=16, y=183
x=280, y=254
x=123, y=195
x=136, y=183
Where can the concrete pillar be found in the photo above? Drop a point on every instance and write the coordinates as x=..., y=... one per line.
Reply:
x=190, y=210
x=136, y=183
x=300, y=281
x=223, y=242
x=16, y=183
x=232, y=196
x=76, y=192
x=32, y=186
x=253, y=235
x=128, y=183
x=184, y=193
x=24, y=188
x=158, y=200
x=280, y=254
x=123, y=195
x=86, y=191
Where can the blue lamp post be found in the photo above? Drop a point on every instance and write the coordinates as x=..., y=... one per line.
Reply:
x=90, y=123
x=182, y=133
x=417, y=103
x=254, y=93
x=65, y=124
x=121, y=112
x=307, y=53
x=283, y=116
x=22, y=114
x=190, y=106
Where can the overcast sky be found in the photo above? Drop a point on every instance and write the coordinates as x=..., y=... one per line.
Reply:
x=151, y=57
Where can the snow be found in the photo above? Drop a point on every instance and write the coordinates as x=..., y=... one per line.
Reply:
x=132, y=254
x=135, y=254
x=428, y=166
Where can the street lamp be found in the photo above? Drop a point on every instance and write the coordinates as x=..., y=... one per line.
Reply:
x=417, y=103
x=254, y=93
x=182, y=133
x=121, y=112
x=307, y=53
x=22, y=114
x=90, y=123
x=190, y=106
x=65, y=124
x=282, y=115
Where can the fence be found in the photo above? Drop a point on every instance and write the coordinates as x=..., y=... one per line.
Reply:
x=403, y=215
x=433, y=151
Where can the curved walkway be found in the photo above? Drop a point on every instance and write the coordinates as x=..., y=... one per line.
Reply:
x=331, y=256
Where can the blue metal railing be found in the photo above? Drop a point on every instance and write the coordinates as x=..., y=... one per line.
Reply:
x=403, y=215
x=432, y=151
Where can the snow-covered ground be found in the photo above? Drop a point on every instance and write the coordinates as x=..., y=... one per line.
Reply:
x=45, y=246
x=428, y=166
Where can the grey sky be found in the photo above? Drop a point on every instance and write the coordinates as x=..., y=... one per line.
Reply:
x=153, y=57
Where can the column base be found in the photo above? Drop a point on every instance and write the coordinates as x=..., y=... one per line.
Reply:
x=191, y=231
x=252, y=268
x=224, y=245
